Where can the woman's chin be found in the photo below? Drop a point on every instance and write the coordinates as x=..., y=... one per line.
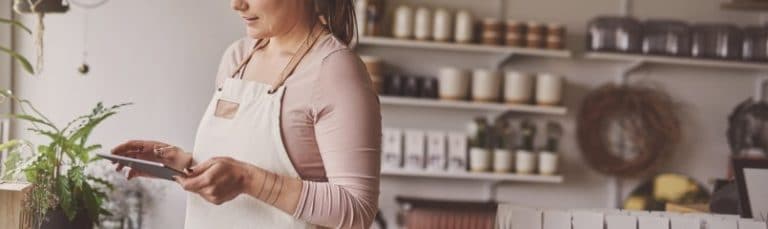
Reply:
x=257, y=33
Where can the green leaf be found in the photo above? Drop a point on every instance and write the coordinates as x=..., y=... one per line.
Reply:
x=102, y=182
x=15, y=23
x=92, y=202
x=65, y=198
x=82, y=134
x=10, y=144
x=21, y=59
x=11, y=164
x=30, y=118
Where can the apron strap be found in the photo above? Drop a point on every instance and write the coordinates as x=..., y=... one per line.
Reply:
x=314, y=35
x=293, y=62
x=240, y=67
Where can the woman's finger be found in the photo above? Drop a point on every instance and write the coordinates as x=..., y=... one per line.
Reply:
x=201, y=168
x=195, y=184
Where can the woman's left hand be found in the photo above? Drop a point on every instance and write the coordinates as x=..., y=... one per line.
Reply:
x=218, y=180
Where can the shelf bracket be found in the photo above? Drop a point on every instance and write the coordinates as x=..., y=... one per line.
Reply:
x=623, y=77
x=492, y=190
x=503, y=61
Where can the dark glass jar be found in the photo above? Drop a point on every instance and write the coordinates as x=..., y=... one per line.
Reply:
x=429, y=88
x=666, y=37
x=614, y=34
x=394, y=85
x=755, y=45
x=718, y=41
x=412, y=87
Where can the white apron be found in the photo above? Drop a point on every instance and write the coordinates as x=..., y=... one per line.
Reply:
x=249, y=133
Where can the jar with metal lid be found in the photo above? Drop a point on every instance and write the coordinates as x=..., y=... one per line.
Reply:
x=555, y=36
x=491, y=31
x=535, y=38
x=614, y=34
x=515, y=34
x=666, y=37
x=755, y=45
x=719, y=41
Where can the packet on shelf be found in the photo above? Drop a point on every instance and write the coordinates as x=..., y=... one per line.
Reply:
x=414, y=149
x=392, y=148
x=436, y=151
x=457, y=152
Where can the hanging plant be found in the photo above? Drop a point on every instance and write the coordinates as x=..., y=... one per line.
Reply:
x=39, y=8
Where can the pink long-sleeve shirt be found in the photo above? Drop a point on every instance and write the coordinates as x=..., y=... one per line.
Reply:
x=331, y=126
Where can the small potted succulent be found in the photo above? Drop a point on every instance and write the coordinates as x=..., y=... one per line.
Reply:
x=525, y=158
x=63, y=194
x=479, y=147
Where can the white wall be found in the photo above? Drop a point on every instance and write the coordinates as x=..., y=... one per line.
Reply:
x=5, y=60
x=162, y=55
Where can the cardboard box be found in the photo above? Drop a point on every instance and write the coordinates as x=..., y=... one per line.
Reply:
x=12, y=210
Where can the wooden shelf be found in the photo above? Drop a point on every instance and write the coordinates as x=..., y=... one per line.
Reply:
x=746, y=5
x=392, y=42
x=465, y=105
x=732, y=64
x=494, y=177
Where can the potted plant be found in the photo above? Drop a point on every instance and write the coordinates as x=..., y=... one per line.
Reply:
x=63, y=194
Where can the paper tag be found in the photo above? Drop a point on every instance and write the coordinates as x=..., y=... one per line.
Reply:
x=620, y=222
x=587, y=220
x=652, y=222
x=685, y=222
x=554, y=219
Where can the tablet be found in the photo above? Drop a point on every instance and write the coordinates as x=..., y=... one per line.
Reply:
x=156, y=169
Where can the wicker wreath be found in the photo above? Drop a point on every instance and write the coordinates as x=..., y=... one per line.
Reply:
x=626, y=130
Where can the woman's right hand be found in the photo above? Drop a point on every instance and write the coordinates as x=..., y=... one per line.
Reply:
x=155, y=151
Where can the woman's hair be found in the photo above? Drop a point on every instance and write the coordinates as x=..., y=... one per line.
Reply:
x=340, y=16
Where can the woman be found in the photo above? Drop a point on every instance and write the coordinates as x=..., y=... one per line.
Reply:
x=291, y=138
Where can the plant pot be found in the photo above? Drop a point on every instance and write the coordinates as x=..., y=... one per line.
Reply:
x=45, y=6
x=56, y=219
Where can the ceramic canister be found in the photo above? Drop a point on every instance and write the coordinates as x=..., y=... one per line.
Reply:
x=442, y=28
x=485, y=85
x=548, y=163
x=502, y=160
x=422, y=29
x=403, y=25
x=453, y=83
x=549, y=89
x=518, y=87
x=464, y=30
x=525, y=162
x=479, y=159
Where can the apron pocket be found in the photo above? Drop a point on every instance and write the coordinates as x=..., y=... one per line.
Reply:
x=226, y=109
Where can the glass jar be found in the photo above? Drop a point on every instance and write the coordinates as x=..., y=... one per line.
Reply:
x=666, y=37
x=719, y=41
x=614, y=34
x=755, y=45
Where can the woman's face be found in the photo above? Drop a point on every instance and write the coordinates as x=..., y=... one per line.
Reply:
x=269, y=18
